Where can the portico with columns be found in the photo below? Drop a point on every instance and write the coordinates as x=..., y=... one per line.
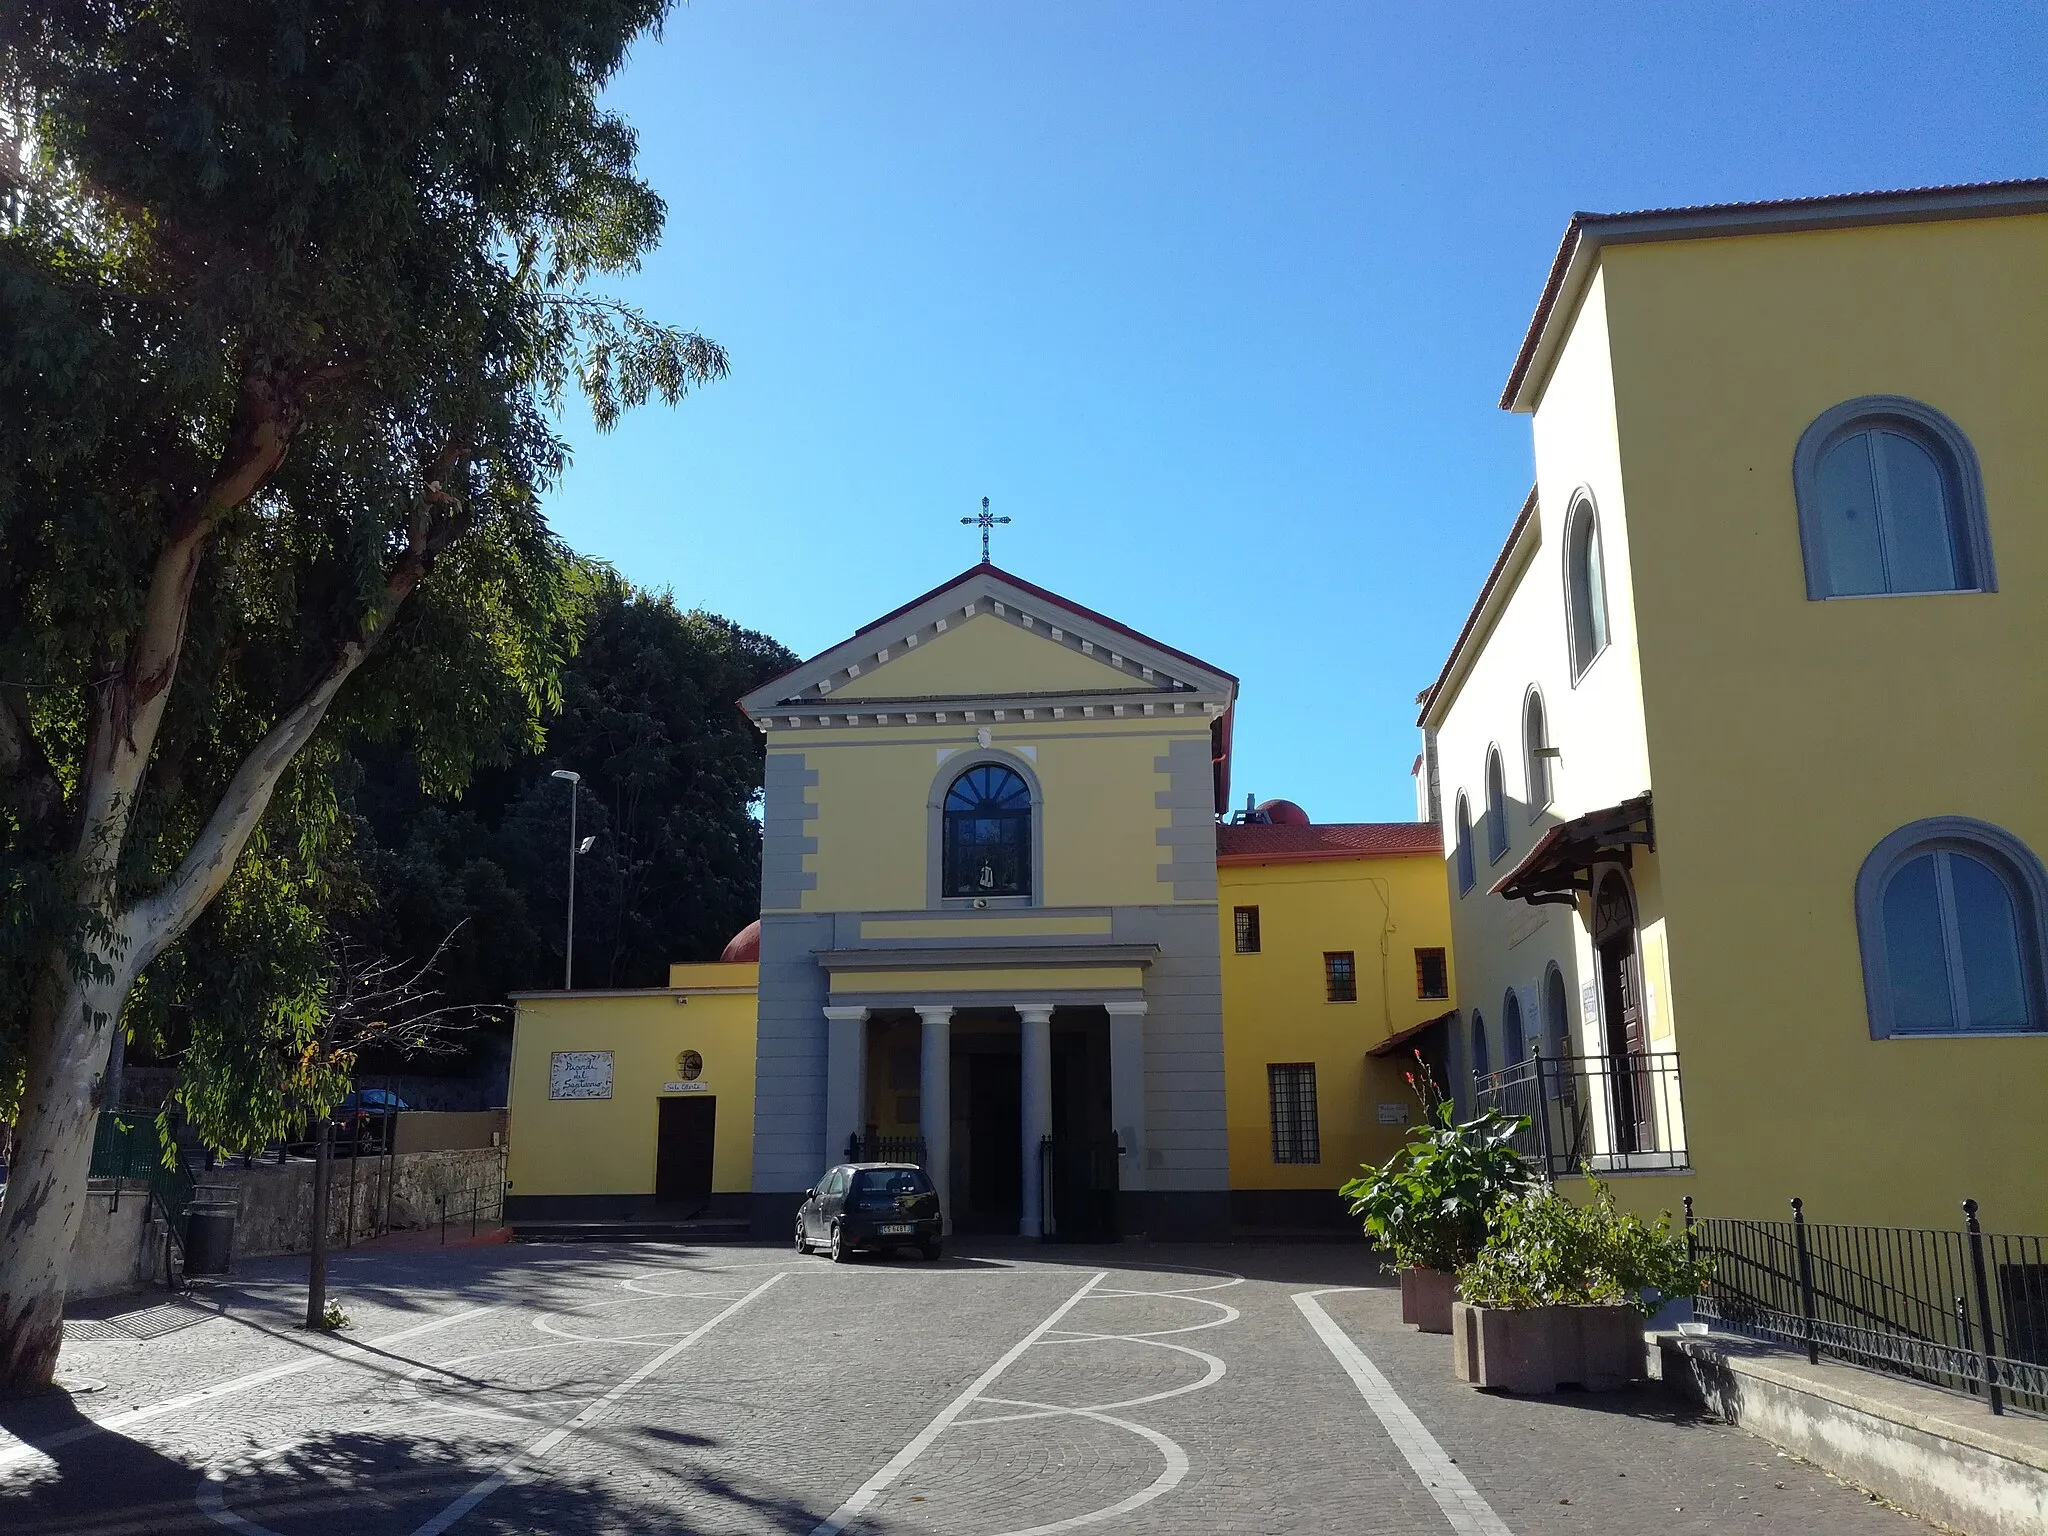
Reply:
x=989, y=928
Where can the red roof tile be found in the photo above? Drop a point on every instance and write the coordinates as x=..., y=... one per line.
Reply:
x=1254, y=844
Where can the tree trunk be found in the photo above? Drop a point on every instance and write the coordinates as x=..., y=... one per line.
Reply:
x=69, y=1022
x=316, y=1251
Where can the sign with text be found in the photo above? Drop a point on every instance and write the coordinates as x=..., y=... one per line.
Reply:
x=580, y=1075
x=1393, y=1114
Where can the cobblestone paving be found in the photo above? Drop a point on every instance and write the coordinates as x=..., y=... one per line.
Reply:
x=744, y=1390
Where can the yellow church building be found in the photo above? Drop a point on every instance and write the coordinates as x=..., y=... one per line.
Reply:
x=993, y=934
x=1739, y=756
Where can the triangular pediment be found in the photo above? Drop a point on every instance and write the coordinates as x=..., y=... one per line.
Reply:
x=988, y=637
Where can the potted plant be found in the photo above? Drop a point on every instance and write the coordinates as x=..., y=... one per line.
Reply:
x=1560, y=1290
x=1427, y=1206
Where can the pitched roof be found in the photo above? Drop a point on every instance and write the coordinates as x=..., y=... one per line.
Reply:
x=1588, y=232
x=1255, y=844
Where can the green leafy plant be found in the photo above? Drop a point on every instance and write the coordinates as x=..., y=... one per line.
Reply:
x=1429, y=1204
x=332, y=1317
x=1548, y=1250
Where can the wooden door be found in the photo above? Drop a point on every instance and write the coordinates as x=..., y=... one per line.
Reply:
x=683, y=1148
x=1621, y=987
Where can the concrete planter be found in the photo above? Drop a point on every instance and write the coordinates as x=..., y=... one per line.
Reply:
x=1542, y=1348
x=1426, y=1297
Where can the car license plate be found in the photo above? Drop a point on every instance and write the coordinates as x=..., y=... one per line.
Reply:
x=901, y=1230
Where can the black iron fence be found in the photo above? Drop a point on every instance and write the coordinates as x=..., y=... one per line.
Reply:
x=1618, y=1113
x=885, y=1149
x=1963, y=1309
x=1079, y=1179
x=475, y=1206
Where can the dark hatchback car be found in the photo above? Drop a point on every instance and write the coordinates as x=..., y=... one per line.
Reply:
x=870, y=1206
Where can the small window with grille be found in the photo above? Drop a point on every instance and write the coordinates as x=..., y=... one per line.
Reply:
x=1432, y=974
x=1247, y=930
x=1340, y=976
x=1296, y=1138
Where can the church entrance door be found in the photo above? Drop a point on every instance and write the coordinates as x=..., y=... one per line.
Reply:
x=683, y=1148
x=995, y=1159
x=1621, y=999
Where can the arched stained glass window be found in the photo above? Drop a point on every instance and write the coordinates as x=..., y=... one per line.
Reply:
x=988, y=833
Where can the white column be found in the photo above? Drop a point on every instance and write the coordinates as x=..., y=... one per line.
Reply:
x=1127, y=1087
x=846, y=1071
x=1035, y=1110
x=935, y=1102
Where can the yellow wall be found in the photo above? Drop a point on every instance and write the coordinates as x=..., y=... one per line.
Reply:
x=979, y=657
x=1099, y=826
x=1274, y=1008
x=1788, y=736
x=606, y=1146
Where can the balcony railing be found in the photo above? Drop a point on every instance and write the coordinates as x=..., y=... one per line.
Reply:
x=1610, y=1114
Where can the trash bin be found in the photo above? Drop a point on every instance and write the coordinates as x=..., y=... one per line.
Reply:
x=210, y=1231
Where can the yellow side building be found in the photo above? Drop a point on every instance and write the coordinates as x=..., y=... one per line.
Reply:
x=1739, y=755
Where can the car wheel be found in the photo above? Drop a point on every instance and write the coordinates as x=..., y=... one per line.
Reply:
x=931, y=1251
x=842, y=1251
x=803, y=1244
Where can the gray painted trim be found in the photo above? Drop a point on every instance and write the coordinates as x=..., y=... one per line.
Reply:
x=1980, y=840
x=963, y=957
x=976, y=1002
x=1922, y=422
x=983, y=591
x=956, y=764
x=1190, y=797
x=1037, y=732
x=786, y=813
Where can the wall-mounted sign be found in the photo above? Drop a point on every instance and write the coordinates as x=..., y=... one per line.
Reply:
x=580, y=1075
x=689, y=1087
x=1393, y=1114
x=690, y=1066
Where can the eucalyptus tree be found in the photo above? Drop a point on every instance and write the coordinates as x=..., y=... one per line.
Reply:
x=288, y=294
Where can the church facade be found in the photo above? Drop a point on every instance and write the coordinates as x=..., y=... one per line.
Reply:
x=989, y=932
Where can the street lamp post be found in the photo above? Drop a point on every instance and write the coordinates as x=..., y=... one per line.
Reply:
x=575, y=782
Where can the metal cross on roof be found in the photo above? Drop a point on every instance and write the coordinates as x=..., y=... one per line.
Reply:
x=984, y=523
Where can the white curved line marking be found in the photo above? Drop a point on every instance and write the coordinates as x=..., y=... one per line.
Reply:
x=1168, y=1479
x=1214, y=1374
x=538, y=1451
x=1468, y=1513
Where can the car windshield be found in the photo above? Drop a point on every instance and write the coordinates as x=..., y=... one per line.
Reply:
x=891, y=1181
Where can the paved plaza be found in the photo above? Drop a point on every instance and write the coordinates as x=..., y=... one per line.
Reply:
x=1006, y=1390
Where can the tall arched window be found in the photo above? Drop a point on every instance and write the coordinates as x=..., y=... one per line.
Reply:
x=1890, y=502
x=1953, y=918
x=1585, y=585
x=1481, y=1066
x=1461, y=832
x=1536, y=752
x=988, y=833
x=1496, y=806
x=1512, y=1046
x=1556, y=1013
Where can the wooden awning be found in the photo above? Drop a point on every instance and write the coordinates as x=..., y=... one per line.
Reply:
x=1394, y=1042
x=1560, y=865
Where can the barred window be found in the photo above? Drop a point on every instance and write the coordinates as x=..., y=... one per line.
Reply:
x=1340, y=976
x=1296, y=1138
x=1432, y=974
x=1247, y=930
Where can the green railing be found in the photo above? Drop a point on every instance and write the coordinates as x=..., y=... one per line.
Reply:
x=125, y=1147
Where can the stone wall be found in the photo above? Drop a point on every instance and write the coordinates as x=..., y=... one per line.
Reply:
x=275, y=1213
x=117, y=1248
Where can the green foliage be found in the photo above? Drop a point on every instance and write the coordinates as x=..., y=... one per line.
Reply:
x=1430, y=1203
x=332, y=1317
x=304, y=283
x=1547, y=1250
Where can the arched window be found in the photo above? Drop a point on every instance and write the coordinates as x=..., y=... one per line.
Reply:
x=988, y=833
x=1951, y=913
x=1585, y=585
x=1557, y=1039
x=1481, y=1067
x=1512, y=1046
x=1536, y=752
x=1890, y=502
x=1496, y=806
x=1462, y=838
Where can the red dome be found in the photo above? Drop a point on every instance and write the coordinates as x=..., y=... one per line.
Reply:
x=1283, y=813
x=745, y=946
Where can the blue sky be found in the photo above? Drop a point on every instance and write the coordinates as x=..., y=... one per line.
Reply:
x=1214, y=300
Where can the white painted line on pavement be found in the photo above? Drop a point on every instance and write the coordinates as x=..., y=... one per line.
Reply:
x=898, y=1464
x=15, y=1455
x=540, y=1448
x=1468, y=1513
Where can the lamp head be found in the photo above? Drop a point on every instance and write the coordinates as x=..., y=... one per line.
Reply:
x=568, y=774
